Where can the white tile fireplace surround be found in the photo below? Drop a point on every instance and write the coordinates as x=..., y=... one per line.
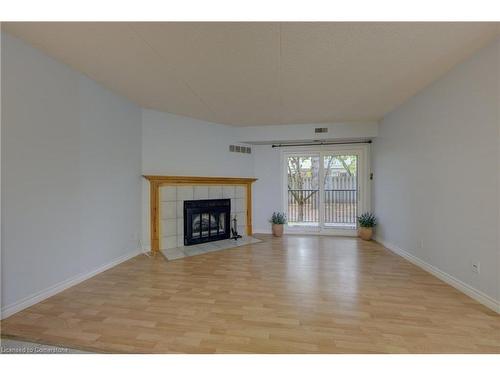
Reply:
x=172, y=208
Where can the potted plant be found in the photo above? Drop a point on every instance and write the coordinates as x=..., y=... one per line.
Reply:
x=277, y=220
x=367, y=222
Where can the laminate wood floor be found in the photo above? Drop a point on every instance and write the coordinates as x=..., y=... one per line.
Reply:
x=296, y=294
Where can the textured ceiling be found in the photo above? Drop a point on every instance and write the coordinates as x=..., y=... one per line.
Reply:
x=261, y=73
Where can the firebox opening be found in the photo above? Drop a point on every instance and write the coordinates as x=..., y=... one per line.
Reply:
x=206, y=220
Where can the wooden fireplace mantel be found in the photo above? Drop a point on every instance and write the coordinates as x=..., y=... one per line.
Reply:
x=154, y=195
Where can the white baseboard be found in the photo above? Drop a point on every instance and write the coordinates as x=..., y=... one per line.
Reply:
x=465, y=288
x=59, y=287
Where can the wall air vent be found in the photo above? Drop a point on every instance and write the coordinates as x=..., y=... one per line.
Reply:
x=240, y=149
x=321, y=130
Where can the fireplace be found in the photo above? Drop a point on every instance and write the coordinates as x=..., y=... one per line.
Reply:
x=206, y=220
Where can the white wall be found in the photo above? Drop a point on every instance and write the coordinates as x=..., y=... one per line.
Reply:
x=436, y=183
x=305, y=132
x=268, y=189
x=71, y=164
x=177, y=145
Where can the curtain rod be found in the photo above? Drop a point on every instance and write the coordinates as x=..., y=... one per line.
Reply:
x=318, y=143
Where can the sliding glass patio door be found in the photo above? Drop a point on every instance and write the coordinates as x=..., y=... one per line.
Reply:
x=324, y=189
x=340, y=190
x=303, y=189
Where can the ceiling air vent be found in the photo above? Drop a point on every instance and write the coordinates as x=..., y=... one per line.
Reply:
x=240, y=149
x=321, y=130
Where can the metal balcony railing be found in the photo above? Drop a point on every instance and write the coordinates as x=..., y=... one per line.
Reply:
x=340, y=206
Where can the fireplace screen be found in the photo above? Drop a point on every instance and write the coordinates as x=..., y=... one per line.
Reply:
x=206, y=224
x=206, y=220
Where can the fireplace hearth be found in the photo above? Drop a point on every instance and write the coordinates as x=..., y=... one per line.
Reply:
x=206, y=220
